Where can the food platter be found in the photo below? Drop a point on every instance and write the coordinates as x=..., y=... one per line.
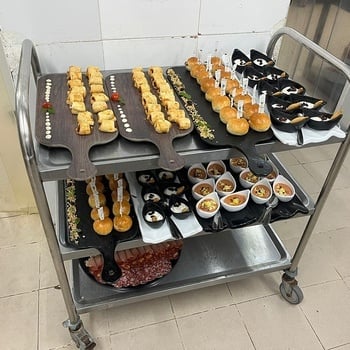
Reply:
x=134, y=126
x=63, y=127
x=221, y=138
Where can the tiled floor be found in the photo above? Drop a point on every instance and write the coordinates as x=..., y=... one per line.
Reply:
x=242, y=315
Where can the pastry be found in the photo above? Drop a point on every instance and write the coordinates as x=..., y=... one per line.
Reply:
x=125, y=196
x=103, y=227
x=96, y=88
x=77, y=107
x=207, y=83
x=101, y=200
x=107, y=114
x=122, y=223
x=74, y=97
x=237, y=126
x=74, y=82
x=227, y=113
x=107, y=126
x=121, y=207
x=94, y=213
x=249, y=109
x=190, y=62
x=241, y=97
x=196, y=68
x=211, y=92
x=99, y=187
x=95, y=80
x=220, y=101
x=99, y=106
x=183, y=123
x=162, y=126
x=83, y=128
x=260, y=122
x=98, y=96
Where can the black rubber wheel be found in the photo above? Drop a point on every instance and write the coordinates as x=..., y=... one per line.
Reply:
x=296, y=295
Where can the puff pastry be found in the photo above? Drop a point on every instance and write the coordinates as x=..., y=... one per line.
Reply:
x=99, y=106
x=95, y=80
x=107, y=125
x=74, y=97
x=98, y=96
x=85, y=117
x=83, y=128
x=183, y=123
x=106, y=115
x=75, y=82
x=96, y=88
x=77, y=107
x=162, y=126
x=78, y=90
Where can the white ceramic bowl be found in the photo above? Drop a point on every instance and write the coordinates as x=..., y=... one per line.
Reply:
x=261, y=192
x=196, y=173
x=203, y=186
x=228, y=202
x=216, y=168
x=247, y=179
x=238, y=163
x=225, y=184
x=283, y=189
x=275, y=172
x=206, y=214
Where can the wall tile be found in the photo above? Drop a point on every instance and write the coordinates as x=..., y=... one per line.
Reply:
x=148, y=18
x=122, y=54
x=55, y=58
x=239, y=16
x=52, y=21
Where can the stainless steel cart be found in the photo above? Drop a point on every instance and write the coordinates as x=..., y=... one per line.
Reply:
x=209, y=259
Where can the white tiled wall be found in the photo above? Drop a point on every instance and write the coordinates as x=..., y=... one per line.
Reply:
x=121, y=34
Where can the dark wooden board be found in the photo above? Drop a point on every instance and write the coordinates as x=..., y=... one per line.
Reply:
x=63, y=124
x=246, y=144
x=142, y=130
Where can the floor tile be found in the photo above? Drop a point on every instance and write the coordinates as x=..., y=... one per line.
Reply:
x=48, y=277
x=162, y=335
x=219, y=329
x=139, y=314
x=287, y=158
x=52, y=313
x=255, y=287
x=335, y=213
x=304, y=179
x=20, y=266
x=20, y=229
x=19, y=321
x=291, y=228
x=315, y=154
x=200, y=300
x=327, y=307
x=273, y=324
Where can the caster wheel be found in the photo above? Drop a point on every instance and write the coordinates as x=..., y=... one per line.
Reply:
x=294, y=297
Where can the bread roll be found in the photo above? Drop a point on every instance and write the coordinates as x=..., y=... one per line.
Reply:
x=120, y=208
x=231, y=84
x=207, y=83
x=240, y=97
x=101, y=198
x=94, y=213
x=99, y=187
x=103, y=227
x=201, y=75
x=196, y=69
x=211, y=92
x=237, y=126
x=249, y=109
x=227, y=113
x=219, y=102
x=190, y=62
x=260, y=122
x=215, y=60
x=122, y=223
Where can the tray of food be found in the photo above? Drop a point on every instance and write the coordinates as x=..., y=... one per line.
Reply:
x=148, y=110
x=100, y=214
x=215, y=118
x=73, y=111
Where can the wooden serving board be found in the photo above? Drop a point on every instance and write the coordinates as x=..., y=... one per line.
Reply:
x=222, y=138
x=63, y=124
x=134, y=126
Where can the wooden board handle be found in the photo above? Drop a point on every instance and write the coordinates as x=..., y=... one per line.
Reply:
x=169, y=159
x=81, y=167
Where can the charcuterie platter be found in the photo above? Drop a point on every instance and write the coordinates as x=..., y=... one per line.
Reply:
x=134, y=126
x=220, y=136
x=55, y=125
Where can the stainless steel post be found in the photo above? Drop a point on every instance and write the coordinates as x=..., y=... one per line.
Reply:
x=343, y=148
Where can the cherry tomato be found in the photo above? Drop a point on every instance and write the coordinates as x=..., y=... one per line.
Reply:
x=47, y=105
x=115, y=96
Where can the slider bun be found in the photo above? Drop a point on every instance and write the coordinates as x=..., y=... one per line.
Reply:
x=190, y=62
x=196, y=69
x=220, y=101
x=239, y=90
x=215, y=60
x=99, y=187
x=249, y=109
x=103, y=227
x=207, y=83
x=240, y=97
x=231, y=84
x=211, y=92
x=260, y=122
x=122, y=223
x=237, y=126
x=201, y=75
x=94, y=213
x=101, y=197
x=120, y=208
x=227, y=113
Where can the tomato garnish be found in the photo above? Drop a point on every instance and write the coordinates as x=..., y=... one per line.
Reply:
x=115, y=96
x=47, y=105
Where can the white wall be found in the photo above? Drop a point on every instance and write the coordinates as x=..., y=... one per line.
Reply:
x=116, y=34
